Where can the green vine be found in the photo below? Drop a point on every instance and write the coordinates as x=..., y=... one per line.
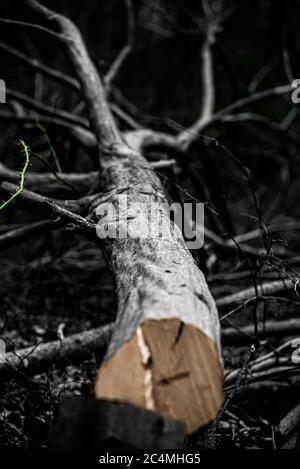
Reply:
x=26, y=152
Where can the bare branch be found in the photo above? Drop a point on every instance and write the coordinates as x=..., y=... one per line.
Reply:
x=64, y=79
x=208, y=86
x=124, y=116
x=75, y=349
x=125, y=51
x=67, y=210
x=270, y=328
x=255, y=98
x=289, y=118
x=142, y=139
x=33, y=119
x=163, y=164
x=139, y=140
x=19, y=235
x=52, y=183
x=267, y=288
x=35, y=64
x=286, y=56
x=101, y=118
x=259, y=77
x=248, y=117
x=48, y=110
x=37, y=27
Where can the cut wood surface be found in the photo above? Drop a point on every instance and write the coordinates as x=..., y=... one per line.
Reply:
x=175, y=369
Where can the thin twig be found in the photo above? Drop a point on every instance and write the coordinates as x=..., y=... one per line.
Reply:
x=125, y=51
x=25, y=150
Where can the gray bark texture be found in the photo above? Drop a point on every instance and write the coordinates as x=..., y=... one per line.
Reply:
x=156, y=278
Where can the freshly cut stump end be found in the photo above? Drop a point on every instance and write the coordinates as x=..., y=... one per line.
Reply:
x=168, y=367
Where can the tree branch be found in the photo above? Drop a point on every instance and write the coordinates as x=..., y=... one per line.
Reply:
x=37, y=27
x=67, y=210
x=101, y=118
x=267, y=288
x=35, y=64
x=125, y=51
x=48, y=110
x=26, y=232
x=73, y=349
x=284, y=327
x=208, y=86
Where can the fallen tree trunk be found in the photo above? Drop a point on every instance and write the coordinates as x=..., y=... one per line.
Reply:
x=164, y=354
x=161, y=292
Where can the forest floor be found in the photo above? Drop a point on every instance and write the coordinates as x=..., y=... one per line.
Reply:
x=70, y=289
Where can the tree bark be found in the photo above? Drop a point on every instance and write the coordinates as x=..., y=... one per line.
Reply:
x=160, y=290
